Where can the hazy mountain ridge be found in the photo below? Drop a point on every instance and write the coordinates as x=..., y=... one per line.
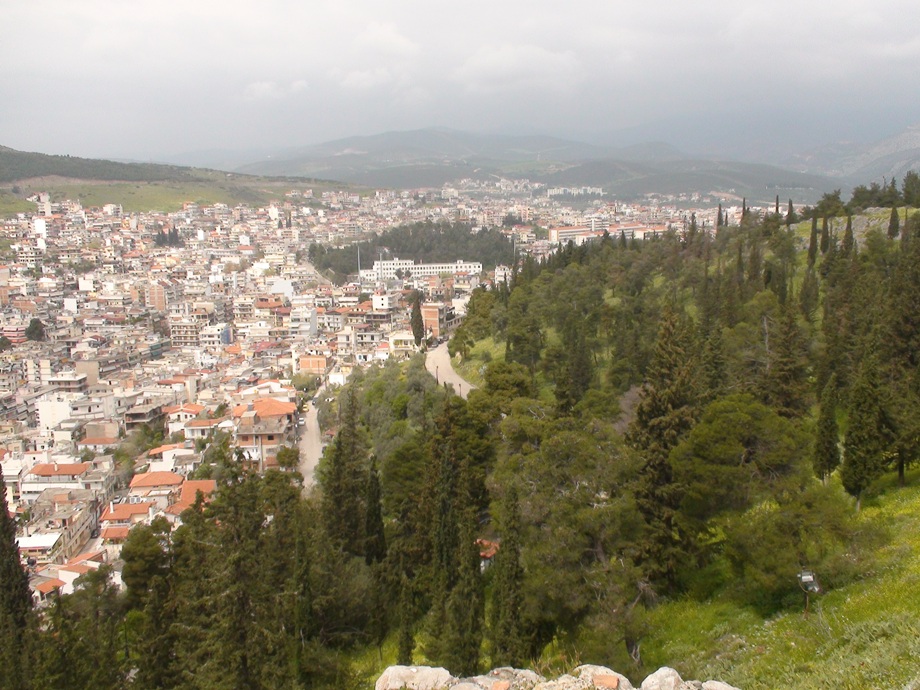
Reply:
x=433, y=157
x=856, y=163
x=19, y=165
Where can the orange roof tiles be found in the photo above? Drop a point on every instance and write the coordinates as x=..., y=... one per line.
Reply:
x=159, y=450
x=115, y=532
x=267, y=407
x=98, y=441
x=147, y=480
x=125, y=511
x=49, y=586
x=56, y=470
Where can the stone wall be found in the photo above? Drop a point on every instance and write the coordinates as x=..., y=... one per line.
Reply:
x=582, y=678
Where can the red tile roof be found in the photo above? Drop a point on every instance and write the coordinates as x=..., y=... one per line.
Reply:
x=147, y=480
x=56, y=470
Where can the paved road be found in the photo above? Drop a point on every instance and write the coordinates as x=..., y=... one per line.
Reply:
x=311, y=446
x=439, y=365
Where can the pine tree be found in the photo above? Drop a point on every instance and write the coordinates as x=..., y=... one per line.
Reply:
x=665, y=413
x=506, y=628
x=826, y=456
x=156, y=660
x=894, y=223
x=15, y=603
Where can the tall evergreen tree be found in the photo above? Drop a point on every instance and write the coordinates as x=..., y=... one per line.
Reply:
x=665, y=413
x=15, y=603
x=849, y=242
x=825, y=235
x=465, y=606
x=813, y=242
x=869, y=432
x=506, y=627
x=826, y=456
x=790, y=215
x=416, y=321
x=785, y=381
x=375, y=542
x=343, y=479
x=894, y=223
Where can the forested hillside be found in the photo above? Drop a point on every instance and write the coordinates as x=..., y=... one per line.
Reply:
x=421, y=242
x=660, y=427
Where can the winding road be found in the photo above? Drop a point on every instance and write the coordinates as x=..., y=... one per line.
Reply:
x=439, y=365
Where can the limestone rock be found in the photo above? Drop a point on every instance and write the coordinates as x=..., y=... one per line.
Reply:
x=587, y=677
x=663, y=679
x=507, y=678
x=602, y=678
x=414, y=678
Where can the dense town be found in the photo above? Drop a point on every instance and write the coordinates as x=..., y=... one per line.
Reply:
x=211, y=323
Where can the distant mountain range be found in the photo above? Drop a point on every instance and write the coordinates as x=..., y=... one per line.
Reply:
x=433, y=157
x=861, y=163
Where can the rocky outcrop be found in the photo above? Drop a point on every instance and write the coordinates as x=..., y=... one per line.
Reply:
x=582, y=678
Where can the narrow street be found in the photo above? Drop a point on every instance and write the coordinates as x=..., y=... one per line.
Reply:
x=311, y=445
x=439, y=365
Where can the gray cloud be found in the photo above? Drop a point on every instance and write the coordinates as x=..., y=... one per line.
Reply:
x=104, y=77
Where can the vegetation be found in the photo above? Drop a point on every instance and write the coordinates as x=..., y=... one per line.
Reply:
x=422, y=242
x=655, y=445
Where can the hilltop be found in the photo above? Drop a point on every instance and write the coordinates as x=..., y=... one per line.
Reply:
x=136, y=186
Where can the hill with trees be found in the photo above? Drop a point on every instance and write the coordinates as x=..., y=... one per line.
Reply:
x=426, y=242
x=665, y=435
x=136, y=186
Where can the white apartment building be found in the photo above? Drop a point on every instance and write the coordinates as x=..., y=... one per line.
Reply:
x=386, y=270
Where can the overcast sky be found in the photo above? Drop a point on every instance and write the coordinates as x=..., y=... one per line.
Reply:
x=139, y=78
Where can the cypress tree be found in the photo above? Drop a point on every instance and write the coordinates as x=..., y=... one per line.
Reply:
x=405, y=643
x=719, y=217
x=809, y=295
x=506, y=629
x=416, y=321
x=826, y=456
x=849, y=242
x=375, y=542
x=342, y=481
x=813, y=242
x=465, y=607
x=790, y=215
x=825, y=235
x=868, y=434
x=894, y=223
x=786, y=376
x=15, y=603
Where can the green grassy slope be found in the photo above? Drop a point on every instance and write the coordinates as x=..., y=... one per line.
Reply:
x=863, y=635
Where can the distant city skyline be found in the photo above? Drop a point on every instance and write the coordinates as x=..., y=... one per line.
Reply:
x=101, y=78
